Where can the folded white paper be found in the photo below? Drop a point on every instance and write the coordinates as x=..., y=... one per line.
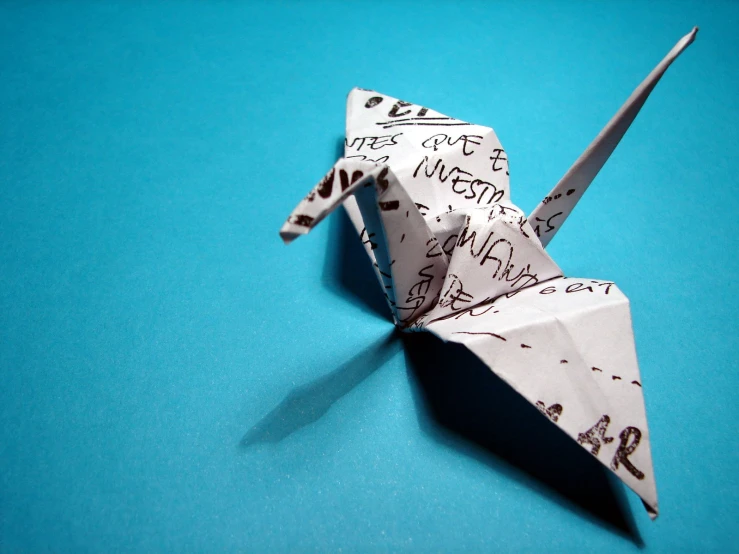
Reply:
x=429, y=197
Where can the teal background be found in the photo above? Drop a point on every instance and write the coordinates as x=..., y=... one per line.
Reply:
x=175, y=379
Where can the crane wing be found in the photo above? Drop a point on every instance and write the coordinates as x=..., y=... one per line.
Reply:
x=406, y=255
x=567, y=346
x=548, y=217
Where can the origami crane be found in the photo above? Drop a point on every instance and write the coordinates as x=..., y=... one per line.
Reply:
x=429, y=197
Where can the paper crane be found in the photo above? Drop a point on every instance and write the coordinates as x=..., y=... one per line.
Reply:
x=429, y=197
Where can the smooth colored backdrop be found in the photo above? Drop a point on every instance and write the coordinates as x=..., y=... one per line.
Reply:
x=175, y=379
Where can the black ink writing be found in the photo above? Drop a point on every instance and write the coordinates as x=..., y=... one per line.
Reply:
x=462, y=182
x=368, y=239
x=344, y=178
x=417, y=294
x=552, y=412
x=471, y=311
x=326, y=185
x=362, y=157
x=577, y=287
x=397, y=106
x=449, y=244
x=437, y=140
x=596, y=435
x=421, y=208
x=382, y=182
x=572, y=288
x=435, y=250
x=625, y=449
x=373, y=143
x=454, y=294
x=478, y=333
x=498, y=158
x=372, y=102
x=302, y=220
x=548, y=221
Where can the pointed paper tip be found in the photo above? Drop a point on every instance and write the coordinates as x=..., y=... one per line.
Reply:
x=651, y=510
x=288, y=233
x=684, y=42
x=287, y=238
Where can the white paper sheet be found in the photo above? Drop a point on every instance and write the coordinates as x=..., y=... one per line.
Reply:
x=429, y=197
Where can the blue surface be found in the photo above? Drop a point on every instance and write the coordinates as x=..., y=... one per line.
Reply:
x=175, y=379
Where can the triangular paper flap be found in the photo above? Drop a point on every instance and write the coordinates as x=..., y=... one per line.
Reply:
x=444, y=164
x=370, y=112
x=494, y=255
x=549, y=216
x=416, y=262
x=568, y=344
x=335, y=187
x=392, y=226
